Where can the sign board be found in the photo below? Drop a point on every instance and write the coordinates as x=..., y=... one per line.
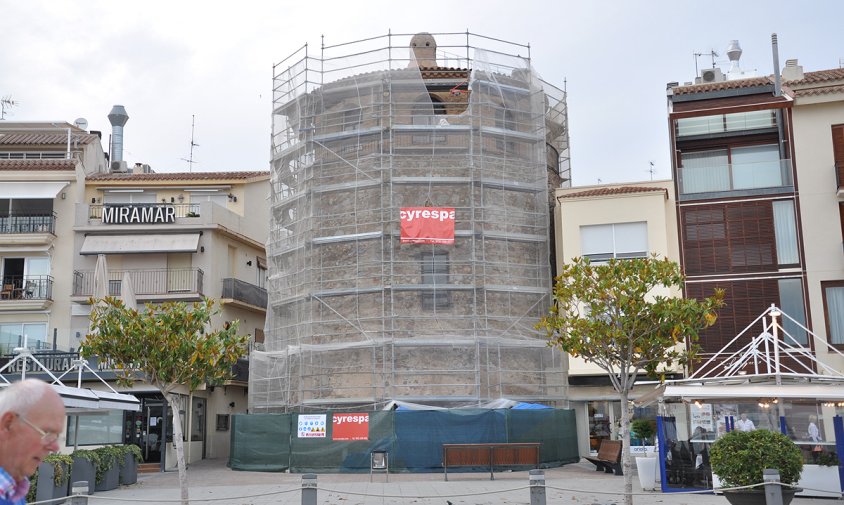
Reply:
x=311, y=426
x=139, y=214
x=427, y=225
x=350, y=426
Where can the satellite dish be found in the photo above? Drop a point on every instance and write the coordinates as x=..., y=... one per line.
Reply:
x=81, y=123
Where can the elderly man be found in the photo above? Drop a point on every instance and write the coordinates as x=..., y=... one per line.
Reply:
x=31, y=420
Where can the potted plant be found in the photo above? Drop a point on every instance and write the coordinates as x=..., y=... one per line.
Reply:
x=644, y=430
x=820, y=476
x=108, y=467
x=50, y=479
x=84, y=468
x=739, y=457
x=129, y=463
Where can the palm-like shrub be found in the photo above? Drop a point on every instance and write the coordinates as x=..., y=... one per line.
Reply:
x=739, y=457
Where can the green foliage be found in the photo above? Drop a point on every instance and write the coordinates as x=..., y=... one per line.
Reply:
x=739, y=457
x=610, y=315
x=643, y=429
x=825, y=458
x=135, y=451
x=61, y=473
x=169, y=343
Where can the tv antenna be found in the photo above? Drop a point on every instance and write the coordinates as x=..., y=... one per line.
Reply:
x=651, y=169
x=192, y=144
x=712, y=54
x=6, y=103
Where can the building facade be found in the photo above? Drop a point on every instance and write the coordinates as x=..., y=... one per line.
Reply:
x=602, y=222
x=360, y=313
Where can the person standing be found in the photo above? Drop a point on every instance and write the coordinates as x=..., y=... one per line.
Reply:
x=814, y=432
x=32, y=419
x=745, y=424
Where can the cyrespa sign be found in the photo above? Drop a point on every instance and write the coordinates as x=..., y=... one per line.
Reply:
x=350, y=427
x=427, y=225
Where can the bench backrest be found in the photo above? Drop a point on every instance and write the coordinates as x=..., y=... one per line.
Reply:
x=610, y=450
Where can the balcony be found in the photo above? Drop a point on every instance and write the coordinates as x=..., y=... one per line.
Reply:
x=244, y=294
x=149, y=285
x=20, y=222
x=737, y=178
x=27, y=292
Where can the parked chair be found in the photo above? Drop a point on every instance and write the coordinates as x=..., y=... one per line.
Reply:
x=6, y=294
x=29, y=289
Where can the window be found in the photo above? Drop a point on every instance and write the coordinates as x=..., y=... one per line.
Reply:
x=351, y=120
x=791, y=303
x=838, y=152
x=435, y=273
x=833, y=304
x=733, y=168
x=785, y=231
x=128, y=196
x=222, y=422
x=619, y=240
x=739, y=121
x=261, y=281
x=12, y=335
x=96, y=429
x=197, y=421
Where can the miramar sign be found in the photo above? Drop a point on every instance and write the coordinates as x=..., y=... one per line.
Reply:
x=139, y=214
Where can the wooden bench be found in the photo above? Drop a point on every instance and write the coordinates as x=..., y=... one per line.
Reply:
x=609, y=457
x=491, y=455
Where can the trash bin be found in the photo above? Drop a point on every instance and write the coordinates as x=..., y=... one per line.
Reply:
x=378, y=462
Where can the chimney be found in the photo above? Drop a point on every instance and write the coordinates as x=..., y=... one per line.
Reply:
x=423, y=51
x=792, y=71
x=734, y=54
x=117, y=117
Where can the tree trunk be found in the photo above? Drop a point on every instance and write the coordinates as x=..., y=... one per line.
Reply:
x=625, y=449
x=180, y=446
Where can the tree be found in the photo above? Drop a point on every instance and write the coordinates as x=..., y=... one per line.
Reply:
x=613, y=315
x=170, y=345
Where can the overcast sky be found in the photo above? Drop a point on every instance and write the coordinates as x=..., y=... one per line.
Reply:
x=166, y=61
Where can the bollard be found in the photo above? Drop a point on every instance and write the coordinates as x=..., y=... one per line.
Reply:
x=309, y=489
x=773, y=492
x=537, y=487
x=79, y=493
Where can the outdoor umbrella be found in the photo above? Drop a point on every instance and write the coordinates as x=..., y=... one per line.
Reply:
x=101, y=278
x=127, y=292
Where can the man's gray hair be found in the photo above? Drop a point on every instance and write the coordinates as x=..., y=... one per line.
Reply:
x=21, y=396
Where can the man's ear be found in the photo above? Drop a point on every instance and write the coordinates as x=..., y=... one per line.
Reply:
x=6, y=421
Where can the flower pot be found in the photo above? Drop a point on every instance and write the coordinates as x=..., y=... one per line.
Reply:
x=646, y=468
x=129, y=470
x=110, y=480
x=83, y=469
x=46, y=486
x=756, y=496
x=820, y=481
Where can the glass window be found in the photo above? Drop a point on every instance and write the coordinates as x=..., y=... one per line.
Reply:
x=785, y=230
x=197, y=422
x=435, y=273
x=705, y=171
x=101, y=429
x=619, y=240
x=130, y=196
x=12, y=335
x=791, y=303
x=750, y=120
x=756, y=167
x=833, y=295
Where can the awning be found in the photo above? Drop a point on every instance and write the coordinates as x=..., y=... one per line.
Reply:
x=133, y=244
x=89, y=399
x=802, y=391
x=18, y=190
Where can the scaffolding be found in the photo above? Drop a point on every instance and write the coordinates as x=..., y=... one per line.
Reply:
x=355, y=318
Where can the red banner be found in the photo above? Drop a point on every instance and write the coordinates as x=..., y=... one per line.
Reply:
x=427, y=225
x=350, y=427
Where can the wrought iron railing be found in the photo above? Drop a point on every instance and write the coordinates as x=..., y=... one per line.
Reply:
x=27, y=287
x=839, y=174
x=243, y=291
x=167, y=281
x=28, y=222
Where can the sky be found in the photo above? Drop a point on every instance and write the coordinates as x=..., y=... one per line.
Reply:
x=174, y=62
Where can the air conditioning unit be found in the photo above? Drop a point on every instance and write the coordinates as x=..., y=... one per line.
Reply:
x=119, y=166
x=710, y=75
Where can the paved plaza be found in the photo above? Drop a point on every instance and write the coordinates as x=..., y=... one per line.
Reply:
x=212, y=482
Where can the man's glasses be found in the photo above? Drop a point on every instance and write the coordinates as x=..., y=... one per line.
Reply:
x=47, y=437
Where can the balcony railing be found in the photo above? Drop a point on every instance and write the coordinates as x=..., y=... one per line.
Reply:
x=245, y=292
x=27, y=287
x=28, y=222
x=168, y=281
x=735, y=177
x=182, y=209
x=839, y=175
